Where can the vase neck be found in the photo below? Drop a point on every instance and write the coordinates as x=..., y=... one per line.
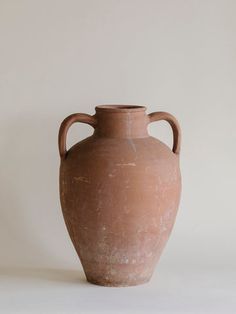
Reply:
x=121, y=121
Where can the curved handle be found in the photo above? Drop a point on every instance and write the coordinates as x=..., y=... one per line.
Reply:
x=157, y=116
x=66, y=124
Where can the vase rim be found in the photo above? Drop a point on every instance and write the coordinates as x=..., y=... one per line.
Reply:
x=120, y=108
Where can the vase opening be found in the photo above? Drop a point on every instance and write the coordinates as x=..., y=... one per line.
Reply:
x=120, y=108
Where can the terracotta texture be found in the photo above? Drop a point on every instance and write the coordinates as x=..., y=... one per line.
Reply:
x=119, y=191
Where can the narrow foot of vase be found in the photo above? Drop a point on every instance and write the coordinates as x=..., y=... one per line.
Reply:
x=110, y=283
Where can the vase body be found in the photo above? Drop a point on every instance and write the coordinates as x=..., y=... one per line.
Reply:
x=119, y=191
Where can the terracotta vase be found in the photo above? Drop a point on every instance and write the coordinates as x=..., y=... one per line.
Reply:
x=119, y=191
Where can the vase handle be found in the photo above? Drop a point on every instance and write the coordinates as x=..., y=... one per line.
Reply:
x=157, y=116
x=66, y=124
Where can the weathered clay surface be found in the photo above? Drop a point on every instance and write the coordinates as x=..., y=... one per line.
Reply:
x=120, y=191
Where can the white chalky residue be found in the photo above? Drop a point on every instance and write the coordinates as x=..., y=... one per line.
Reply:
x=132, y=164
x=112, y=173
x=82, y=179
x=162, y=225
x=128, y=124
x=132, y=145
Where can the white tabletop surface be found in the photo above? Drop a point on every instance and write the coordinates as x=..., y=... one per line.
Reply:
x=171, y=290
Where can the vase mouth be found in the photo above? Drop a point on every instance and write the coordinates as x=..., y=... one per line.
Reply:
x=120, y=108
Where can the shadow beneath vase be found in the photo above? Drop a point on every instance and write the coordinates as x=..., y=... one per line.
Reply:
x=44, y=274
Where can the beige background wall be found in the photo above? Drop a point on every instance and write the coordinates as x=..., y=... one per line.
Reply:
x=60, y=57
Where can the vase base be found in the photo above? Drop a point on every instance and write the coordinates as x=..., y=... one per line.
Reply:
x=109, y=283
